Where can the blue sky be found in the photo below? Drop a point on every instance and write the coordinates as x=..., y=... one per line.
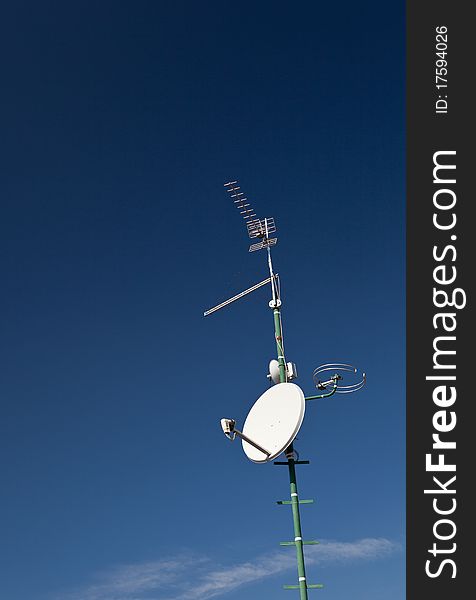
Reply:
x=120, y=123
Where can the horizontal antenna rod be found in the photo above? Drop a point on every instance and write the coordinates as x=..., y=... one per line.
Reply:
x=237, y=297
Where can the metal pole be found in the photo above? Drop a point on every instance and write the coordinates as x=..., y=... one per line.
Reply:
x=279, y=345
x=297, y=529
x=291, y=467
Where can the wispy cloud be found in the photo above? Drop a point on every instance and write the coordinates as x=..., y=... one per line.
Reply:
x=365, y=549
x=189, y=577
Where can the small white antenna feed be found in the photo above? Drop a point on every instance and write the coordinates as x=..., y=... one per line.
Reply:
x=274, y=376
x=274, y=371
x=328, y=375
x=229, y=429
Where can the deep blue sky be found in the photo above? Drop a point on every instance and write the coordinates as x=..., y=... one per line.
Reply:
x=120, y=122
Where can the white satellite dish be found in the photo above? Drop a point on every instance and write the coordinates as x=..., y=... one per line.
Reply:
x=274, y=421
x=274, y=371
x=274, y=374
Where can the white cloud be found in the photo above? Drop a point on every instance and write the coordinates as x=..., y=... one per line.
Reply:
x=189, y=577
x=365, y=549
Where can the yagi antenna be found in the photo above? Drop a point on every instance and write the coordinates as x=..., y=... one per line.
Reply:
x=257, y=229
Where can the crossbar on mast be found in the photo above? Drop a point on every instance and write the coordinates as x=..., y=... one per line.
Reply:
x=237, y=297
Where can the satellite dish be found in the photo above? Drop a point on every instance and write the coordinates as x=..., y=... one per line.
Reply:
x=291, y=371
x=274, y=370
x=274, y=421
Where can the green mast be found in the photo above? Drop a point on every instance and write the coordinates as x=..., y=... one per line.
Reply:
x=278, y=332
x=275, y=304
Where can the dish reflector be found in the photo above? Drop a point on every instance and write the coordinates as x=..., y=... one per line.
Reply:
x=274, y=370
x=274, y=421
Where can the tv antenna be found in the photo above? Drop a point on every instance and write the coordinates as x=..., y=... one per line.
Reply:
x=258, y=229
x=276, y=417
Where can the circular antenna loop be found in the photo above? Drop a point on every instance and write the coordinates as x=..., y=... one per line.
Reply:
x=329, y=375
